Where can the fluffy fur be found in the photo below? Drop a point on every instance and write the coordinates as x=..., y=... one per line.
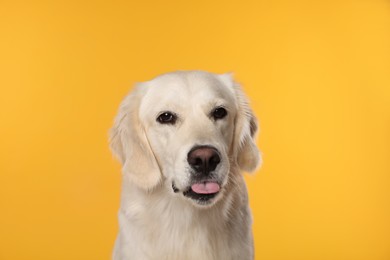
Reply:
x=155, y=220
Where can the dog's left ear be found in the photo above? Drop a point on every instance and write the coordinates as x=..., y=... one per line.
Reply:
x=245, y=129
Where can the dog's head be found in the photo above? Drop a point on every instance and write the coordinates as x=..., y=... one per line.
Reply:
x=185, y=131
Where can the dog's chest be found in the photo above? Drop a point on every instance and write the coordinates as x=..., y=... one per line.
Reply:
x=164, y=232
x=195, y=242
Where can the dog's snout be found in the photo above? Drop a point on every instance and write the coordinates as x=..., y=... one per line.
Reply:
x=203, y=159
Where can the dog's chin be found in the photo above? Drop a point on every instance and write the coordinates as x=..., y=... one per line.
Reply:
x=201, y=198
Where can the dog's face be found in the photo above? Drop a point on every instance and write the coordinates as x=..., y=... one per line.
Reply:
x=185, y=130
x=189, y=122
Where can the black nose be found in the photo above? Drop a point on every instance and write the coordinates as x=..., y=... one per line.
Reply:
x=203, y=159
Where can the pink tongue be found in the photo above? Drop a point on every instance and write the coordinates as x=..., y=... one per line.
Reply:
x=205, y=187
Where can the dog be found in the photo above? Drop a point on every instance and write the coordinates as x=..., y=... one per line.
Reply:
x=183, y=140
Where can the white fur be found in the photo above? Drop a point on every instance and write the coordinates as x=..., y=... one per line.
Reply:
x=154, y=221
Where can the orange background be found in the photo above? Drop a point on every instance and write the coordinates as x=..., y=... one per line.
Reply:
x=318, y=76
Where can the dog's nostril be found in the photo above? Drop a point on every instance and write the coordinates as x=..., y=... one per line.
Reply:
x=214, y=161
x=198, y=161
x=203, y=159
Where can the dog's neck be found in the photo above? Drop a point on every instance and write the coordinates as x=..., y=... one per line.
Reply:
x=173, y=226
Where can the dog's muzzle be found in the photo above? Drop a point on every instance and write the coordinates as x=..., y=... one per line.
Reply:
x=203, y=188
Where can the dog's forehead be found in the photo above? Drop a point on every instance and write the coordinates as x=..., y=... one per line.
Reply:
x=186, y=88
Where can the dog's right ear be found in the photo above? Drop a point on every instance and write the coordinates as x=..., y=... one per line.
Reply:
x=129, y=143
x=245, y=149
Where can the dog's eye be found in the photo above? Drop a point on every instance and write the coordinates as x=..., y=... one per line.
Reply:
x=219, y=113
x=167, y=118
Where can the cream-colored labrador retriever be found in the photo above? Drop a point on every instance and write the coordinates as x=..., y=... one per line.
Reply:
x=183, y=139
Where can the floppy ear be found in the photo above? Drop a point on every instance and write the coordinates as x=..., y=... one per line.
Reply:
x=245, y=129
x=130, y=145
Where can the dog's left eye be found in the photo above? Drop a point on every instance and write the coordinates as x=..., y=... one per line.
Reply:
x=219, y=113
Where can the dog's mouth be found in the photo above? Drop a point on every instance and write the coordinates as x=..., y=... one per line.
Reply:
x=203, y=192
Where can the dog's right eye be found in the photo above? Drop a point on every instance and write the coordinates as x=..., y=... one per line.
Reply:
x=167, y=118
